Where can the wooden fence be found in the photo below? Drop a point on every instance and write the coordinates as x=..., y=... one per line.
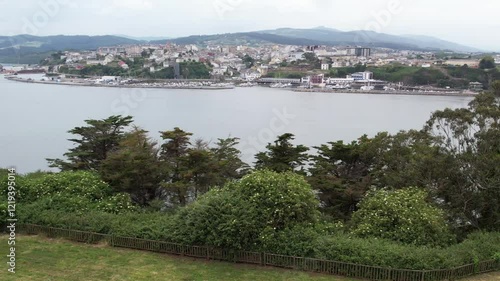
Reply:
x=298, y=263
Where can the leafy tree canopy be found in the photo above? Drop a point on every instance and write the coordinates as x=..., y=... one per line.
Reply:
x=93, y=143
x=134, y=167
x=487, y=62
x=282, y=156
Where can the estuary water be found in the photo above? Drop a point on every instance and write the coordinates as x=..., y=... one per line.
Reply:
x=35, y=118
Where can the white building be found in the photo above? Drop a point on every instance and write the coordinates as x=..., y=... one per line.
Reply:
x=251, y=75
x=325, y=66
x=108, y=79
x=95, y=62
x=367, y=75
x=219, y=70
x=339, y=81
x=295, y=56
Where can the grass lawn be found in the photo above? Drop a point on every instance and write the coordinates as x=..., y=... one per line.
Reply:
x=41, y=258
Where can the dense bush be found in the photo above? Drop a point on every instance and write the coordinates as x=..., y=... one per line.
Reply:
x=323, y=241
x=69, y=191
x=297, y=240
x=401, y=215
x=84, y=184
x=220, y=219
x=3, y=215
x=386, y=253
x=155, y=226
x=237, y=215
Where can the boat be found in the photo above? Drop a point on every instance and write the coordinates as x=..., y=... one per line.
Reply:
x=247, y=84
x=367, y=88
x=281, y=85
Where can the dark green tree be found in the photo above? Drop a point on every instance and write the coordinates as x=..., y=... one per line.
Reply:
x=495, y=88
x=471, y=138
x=134, y=167
x=229, y=164
x=248, y=61
x=341, y=174
x=204, y=167
x=194, y=70
x=312, y=59
x=174, y=152
x=360, y=67
x=193, y=169
x=283, y=156
x=487, y=62
x=93, y=144
x=407, y=158
x=199, y=171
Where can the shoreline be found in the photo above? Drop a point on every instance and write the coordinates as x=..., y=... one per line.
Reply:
x=132, y=86
x=314, y=90
x=381, y=92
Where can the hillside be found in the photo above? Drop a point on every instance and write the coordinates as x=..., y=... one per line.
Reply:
x=251, y=38
x=31, y=49
x=370, y=38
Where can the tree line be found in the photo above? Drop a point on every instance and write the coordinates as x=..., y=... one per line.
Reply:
x=455, y=158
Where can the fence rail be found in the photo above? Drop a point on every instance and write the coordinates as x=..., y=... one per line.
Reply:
x=298, y=263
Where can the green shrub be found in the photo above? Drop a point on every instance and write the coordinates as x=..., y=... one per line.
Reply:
x=297, y=240
x=401, y=215
x=154, y=226
x=220, y=218
x=323, y=241
x=378, y=252
x=85, y=184
x=478, y=246
x=236, y=215
x=282, y=199
x=116, y=203
x=77, y=192
x=386, y=253
x=3, y=215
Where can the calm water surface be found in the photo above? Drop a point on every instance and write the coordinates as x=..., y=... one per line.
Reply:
x=36, y=118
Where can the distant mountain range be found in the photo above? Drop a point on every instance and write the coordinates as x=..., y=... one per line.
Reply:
x=31, y=49
x=371, y=39
x=146, y=38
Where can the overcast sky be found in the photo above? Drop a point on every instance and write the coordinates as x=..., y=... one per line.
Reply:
x=474, y=23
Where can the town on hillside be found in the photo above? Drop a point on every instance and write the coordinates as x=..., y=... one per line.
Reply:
x=306, y=68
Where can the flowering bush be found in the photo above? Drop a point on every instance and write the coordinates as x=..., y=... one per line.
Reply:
x=401, y=215
x=78, y=192
x=237, y=215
